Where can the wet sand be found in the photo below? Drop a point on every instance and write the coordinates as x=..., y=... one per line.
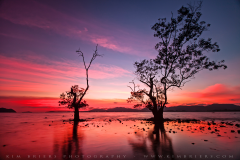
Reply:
x=121, y=139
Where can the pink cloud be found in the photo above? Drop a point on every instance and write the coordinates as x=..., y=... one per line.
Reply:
x=109, y=43
x=217, y=93
x=70, y=70
x=35, y=14
x=42, y=104
x=216, y=88
x=31, y=74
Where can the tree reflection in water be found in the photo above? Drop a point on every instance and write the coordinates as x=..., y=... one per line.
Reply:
x=71, y=144
x=156, y=144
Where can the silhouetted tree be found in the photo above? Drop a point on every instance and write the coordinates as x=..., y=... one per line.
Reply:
x=74, y=98
x=181, y=54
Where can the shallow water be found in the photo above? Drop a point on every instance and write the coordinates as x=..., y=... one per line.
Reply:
x=119, y=135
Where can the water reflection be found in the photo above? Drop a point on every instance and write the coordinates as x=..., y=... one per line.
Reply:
x=71, y=144
x=156, y=145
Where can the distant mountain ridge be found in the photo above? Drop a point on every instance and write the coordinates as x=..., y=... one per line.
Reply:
x=208, y=108
x=7, y=110
x=119, y=109
x=196, y=108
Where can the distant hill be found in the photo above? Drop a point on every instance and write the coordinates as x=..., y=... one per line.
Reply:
x=196, y=108
x=27, y=112
x=7, y=110
x=119, y=109
x=97, y=110
x=57, y=111
x=208, y=108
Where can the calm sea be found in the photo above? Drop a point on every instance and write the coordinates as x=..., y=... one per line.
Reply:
x=119, y=135
x=56, y=116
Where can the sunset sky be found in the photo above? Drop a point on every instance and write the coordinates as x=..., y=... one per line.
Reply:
x=39, y=39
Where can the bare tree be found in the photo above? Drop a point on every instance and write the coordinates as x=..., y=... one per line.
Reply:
x=181, y=54
x=74, y=98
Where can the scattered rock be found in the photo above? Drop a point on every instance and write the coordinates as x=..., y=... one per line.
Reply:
x=193, y=143
x=201, y=128
x=4, y=145
x=205, y=140
x=49, y=124
x=238, y=131
x=209, y=128
x=237, y=125
x=232, y=131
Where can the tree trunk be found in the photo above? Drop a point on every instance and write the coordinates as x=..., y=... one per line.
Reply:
x=158, y=115
x=74, y=104
x=76, y=114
